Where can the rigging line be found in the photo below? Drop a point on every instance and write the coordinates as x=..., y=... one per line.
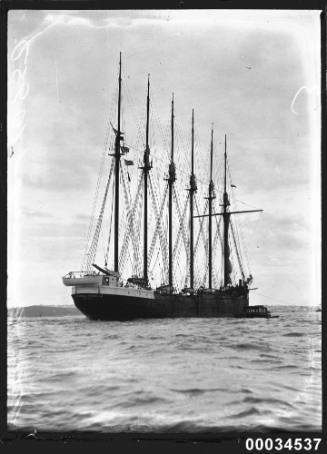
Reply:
x=162, y=273
x=214, y=248
x=230, y=182
x=112, y=114
x=121, y=182
x=185, y=139
x=197, y=141
x=181, y=231
x=218, y=224
x=130, y=221
x=181, y=218
x=244, y=203
x=236, y=249
x=132, y=231
x=238, y=245
x=163, y=161
x=133, y=109
x=126, y=238
x=222, y=270
x=178, y=284
x=95, y=197
x=93, y=247
x=181, y=270
x=233, y=260
x=177, y=262
x=157, y=126
x=110, y=226
x=186, y=279
x=233, y=194
x=201, y=232
x=127, y=186
x=157, y=221
x=128, y=207
x=131, y=100
x=103, y=247
x=164, y=135
x=197, y=280
x=242, y=248
x=238, y=229
x=242, y=241
x=131, y=264
x=206, y=250
x=139, y=220
x=218, y=176
x=158, y=227
x=155, y=262
x=205, y=275
x=108, y=144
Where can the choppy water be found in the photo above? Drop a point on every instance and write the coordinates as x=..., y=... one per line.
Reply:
x=172, y=375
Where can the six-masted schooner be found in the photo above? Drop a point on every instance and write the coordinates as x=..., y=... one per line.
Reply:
x=103, y=294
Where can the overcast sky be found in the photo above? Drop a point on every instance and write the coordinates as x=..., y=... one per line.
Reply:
x=254, y=74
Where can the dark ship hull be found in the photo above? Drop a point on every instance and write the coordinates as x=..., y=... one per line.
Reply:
x=120, y=307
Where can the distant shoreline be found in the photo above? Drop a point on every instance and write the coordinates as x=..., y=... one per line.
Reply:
x=43, y=311
x=69, y=310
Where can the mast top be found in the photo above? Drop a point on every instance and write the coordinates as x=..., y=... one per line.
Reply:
x=225, y=172
x=192, y=153
x=148, y=97
x=193, y=186
x=211, y=153
x=172, y=128
x=225, y=148
x=147, y=164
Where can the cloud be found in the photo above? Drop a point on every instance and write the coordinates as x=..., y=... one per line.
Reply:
x=36, y=215
x=54, y=230
x=56, y=178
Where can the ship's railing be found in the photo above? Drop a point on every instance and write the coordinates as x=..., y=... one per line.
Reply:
x=166, y=290
x=81, y=274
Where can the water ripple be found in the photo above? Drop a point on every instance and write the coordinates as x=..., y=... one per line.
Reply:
x=165, y=376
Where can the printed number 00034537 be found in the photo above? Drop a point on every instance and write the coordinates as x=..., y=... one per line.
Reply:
x=278, y=444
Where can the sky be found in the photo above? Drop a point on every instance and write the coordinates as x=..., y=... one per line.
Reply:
x=254, y=75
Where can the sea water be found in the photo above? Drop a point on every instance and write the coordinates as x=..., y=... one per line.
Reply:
x=169, y=375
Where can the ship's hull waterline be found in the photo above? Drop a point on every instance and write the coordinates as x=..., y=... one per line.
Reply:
x=98, y=305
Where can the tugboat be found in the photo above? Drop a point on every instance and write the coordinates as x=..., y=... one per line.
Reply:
x=105, y=295
x=256, y=312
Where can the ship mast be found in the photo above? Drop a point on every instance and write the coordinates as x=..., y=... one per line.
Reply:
x=192, y=189
x=210, y=199
x=226, y=219
x=171, y=181
x=146, y=168
x=117, y=166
